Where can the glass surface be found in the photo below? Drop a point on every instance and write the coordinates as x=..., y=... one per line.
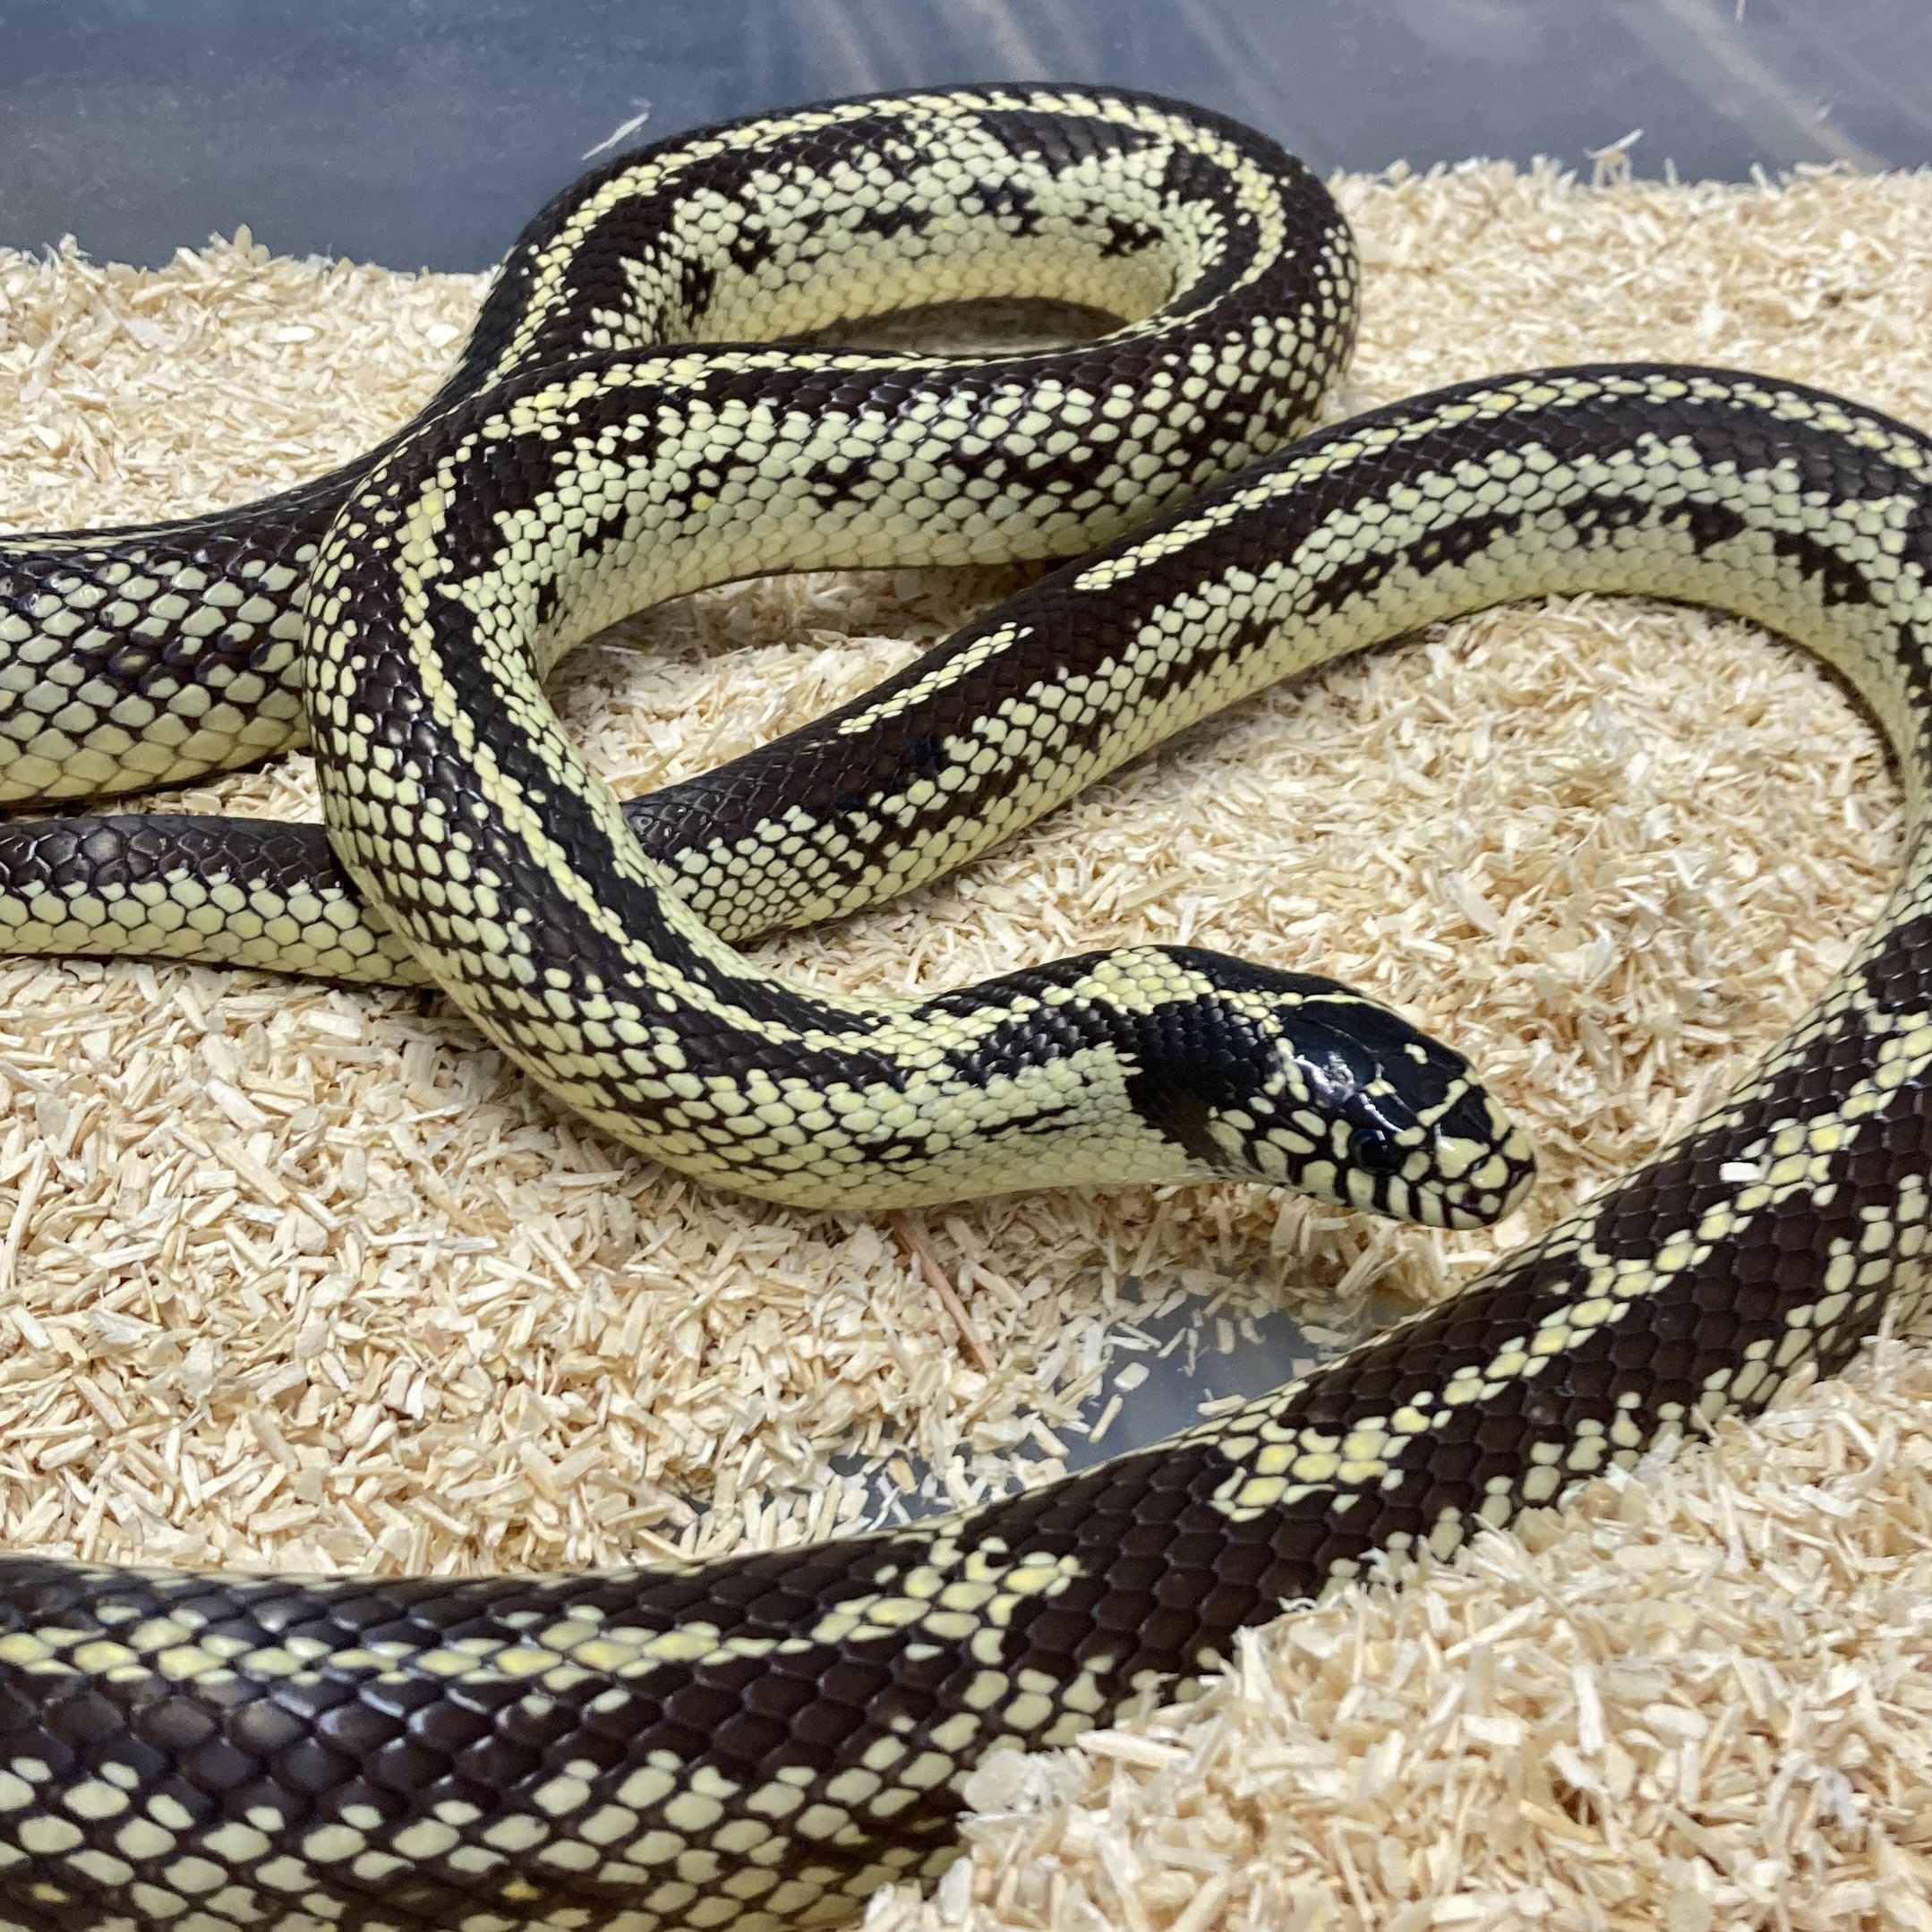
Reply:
x=424, y=133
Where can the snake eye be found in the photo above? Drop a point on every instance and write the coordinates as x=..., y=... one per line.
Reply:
x=1375, y=1151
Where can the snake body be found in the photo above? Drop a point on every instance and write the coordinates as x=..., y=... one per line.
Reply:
x=763, y=1741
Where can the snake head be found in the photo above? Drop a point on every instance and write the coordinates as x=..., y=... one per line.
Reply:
x=1302, y=1081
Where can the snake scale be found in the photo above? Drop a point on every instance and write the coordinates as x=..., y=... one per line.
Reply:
x=762, y=1743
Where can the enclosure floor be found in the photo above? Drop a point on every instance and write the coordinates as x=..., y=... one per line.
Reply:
x=302, y=1277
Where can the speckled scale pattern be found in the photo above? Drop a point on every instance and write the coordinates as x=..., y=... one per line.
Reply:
x=455, y=801
x=143, y=656
x=763, y=1741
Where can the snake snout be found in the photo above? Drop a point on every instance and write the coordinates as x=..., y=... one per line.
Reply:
x=1480, y=1163
x=1306, y=1084
x=1422, y=1137
x=1419, y=1137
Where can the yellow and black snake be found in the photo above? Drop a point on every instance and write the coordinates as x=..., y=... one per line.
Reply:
x=763, y=1741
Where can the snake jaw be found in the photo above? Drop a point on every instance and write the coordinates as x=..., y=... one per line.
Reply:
x=1483, y=1163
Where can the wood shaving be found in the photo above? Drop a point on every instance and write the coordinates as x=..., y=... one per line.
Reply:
x=299, y=1277
x=1701, y=1697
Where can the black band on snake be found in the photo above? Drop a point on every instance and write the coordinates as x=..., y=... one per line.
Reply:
x=762, y=1743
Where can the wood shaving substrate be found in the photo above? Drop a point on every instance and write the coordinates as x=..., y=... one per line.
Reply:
x=300, y=1277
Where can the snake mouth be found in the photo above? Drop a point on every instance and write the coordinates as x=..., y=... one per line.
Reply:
x=1483, y=1163
x=1459, y=1163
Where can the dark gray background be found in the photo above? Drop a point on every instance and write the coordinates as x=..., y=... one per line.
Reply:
x=424, y=133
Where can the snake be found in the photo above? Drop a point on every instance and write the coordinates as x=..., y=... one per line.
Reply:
x=763, y=1741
